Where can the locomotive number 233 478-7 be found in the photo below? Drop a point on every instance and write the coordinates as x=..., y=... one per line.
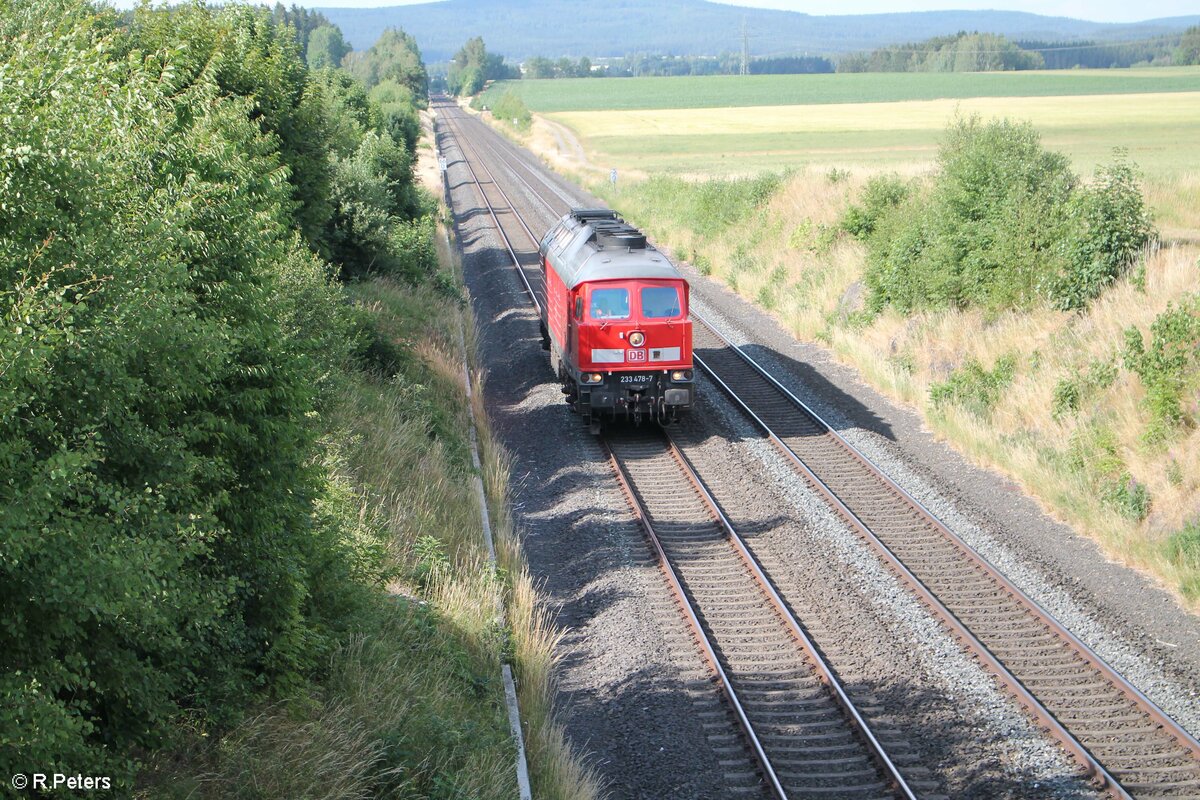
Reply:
x=636, y=378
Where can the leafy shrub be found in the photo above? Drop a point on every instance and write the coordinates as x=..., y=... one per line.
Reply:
x=1004, y=225
x=397, y=112
x=1094, y=454
x=881, y=194
x=1069, y=392
x=511, y=110
x=974, y=388
x=1130, y=498
x=1168, y=366
x=1109, y=226
x=374, y=231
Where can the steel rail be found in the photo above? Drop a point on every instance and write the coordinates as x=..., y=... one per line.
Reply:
x=492, y=212
x=825, y=672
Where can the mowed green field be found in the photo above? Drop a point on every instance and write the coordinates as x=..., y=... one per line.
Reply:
x=708, y=126
x=607, y=94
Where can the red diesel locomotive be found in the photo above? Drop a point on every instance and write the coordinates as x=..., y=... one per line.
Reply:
x=615, y=320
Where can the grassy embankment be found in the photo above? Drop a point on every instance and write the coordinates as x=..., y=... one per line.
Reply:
x=1070, y=414
x=413, y=705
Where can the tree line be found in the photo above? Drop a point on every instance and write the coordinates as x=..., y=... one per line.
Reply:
x=180, y=195
x=985, y=52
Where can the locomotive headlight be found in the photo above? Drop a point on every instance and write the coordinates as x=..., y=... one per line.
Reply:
x=591, y=377
x=637, y=338
x=681, y=375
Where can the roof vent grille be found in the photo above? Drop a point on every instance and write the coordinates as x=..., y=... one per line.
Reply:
x=609, y=230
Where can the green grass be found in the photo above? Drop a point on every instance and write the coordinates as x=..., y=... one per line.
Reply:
x=610, y=94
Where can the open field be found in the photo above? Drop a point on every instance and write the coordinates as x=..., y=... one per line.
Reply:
x=624, y=94
x=1161, y=131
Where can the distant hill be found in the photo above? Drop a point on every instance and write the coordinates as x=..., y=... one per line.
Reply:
x=519, y=29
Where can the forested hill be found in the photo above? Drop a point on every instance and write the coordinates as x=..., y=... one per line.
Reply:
x=522, y=28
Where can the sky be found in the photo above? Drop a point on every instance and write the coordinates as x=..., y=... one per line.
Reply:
x=1095, y=10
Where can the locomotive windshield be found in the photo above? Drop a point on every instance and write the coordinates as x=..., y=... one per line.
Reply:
x=660, y=302
x=609, y=304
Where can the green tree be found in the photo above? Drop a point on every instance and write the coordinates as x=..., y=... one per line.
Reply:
x=167, y=341
x=155, y=484
x=473, y=66
x=394, y=57
x=1188, y=51
x=326, y=47
x=539, y=67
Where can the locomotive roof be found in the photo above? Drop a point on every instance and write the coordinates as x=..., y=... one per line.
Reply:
x=597, y=245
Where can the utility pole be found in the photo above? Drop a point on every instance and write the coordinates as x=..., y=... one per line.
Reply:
x=745, y=49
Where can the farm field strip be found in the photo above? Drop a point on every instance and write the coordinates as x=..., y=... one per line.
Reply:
x=1152, y=126
x=590, y=94
x=1046, y=112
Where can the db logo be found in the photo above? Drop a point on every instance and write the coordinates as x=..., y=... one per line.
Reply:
x=635, y=355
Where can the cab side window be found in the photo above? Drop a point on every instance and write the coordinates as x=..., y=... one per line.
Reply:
x=579, y=307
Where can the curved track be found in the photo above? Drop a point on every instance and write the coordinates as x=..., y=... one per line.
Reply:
x=1116, y=734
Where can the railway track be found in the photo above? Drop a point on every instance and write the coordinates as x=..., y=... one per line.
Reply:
x=1111, y=729
x=804, y=731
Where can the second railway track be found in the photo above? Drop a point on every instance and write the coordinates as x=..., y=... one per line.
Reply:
x=1115, y=732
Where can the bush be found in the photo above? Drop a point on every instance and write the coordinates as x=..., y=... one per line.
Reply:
x=510, y=109
x=881, y=194
x=1069, y=392
x=374, y=200
x=1168, y=366
x=1109, y=226
x=1094, y=455
x=974, y=388
x=1004, y=225
x=1130, y=498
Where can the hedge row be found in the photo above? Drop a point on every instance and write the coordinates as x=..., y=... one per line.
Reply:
x=177, y=191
